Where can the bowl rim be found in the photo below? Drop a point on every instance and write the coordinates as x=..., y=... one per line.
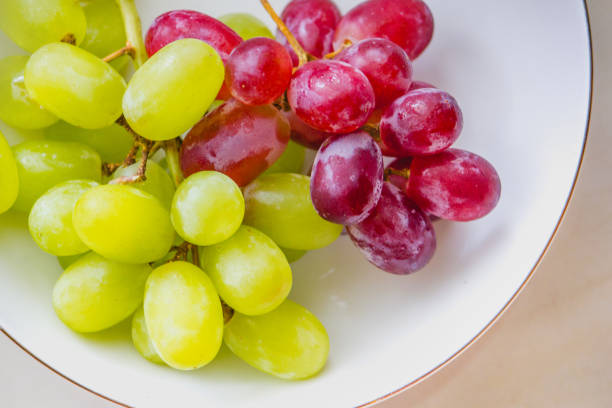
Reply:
x=486, y=328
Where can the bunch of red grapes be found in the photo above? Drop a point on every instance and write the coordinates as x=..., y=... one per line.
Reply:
x=346, y=89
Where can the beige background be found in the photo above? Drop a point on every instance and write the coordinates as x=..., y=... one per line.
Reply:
x=552, y=348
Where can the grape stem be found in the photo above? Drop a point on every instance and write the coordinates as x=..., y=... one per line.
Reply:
x=69, y=39
x=303, y=56
x=228, y=312
x=172, y=158
x=347, y=43
x=133, y=31
x=128, y=49
x=405, y=173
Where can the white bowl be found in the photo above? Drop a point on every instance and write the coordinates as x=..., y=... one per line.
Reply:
x=521, y=72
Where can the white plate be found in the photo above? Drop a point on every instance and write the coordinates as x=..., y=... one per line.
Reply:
x=521, y=72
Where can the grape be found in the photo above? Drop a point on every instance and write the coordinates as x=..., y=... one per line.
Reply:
x=173, y=89
x=304, y=134
x=66, y=261
x=289, y=342
x=331, y=96
x=386, y=65
x=75, y=85
x=249, y=270
x=123, y=224
x=95, y=293
x=246, y=25
x=279, y=205
x=105, y=30
x=397, y=237
x=141, y=339
x=42, y=164
x=347, y=178
x=32, y=24
x=422, y=122
x=183, y=314
x=112, y=143
x=313, y=23
x=408, y=23
x=157, y=183
x=208, y=208
x=291, y=161
x=50, y=220
x=454, y=185
x=258, y=71
x=399, y=165
x=238, y=140
x=16, y=107
x=9, y=180
x=293, y=255
x=420, y=85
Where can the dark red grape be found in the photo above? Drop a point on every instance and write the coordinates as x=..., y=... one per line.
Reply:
x=386, y=65
x=420, y=85
x=399, y=166
x=397, y=236
x=303, y=134
x=454, y=185
x=347, y=178
x=425, y=121
x=258, y=71
x=238, y=140
x=408, y=23
x=331, y=96
x=312, y=23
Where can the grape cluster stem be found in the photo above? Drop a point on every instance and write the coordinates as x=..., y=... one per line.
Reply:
x=405, y=173
x=127, y=50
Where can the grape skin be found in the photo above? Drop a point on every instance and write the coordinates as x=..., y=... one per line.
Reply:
x=304, y=134
x=157, y=183
x=291, y=161
x=9, y=179
x=246, y=25
x=141, y=339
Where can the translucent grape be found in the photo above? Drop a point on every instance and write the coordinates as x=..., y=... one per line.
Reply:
x=42, y=164
x=237, y=140
x=293, y=255
x=34, y=24
x=289, y=342
x=141, y=339
x=291, y=161
x=75, y=85
x=183, y=314
x=208, y=208
x=279, y=205
x=9, y=179
x=112, y=143
x=123, y=223
x=17, y=109
x=66, y=261
x=50, y=220
x=95, y=293
x=157, y=183
x=249, y=271
x=105, y=30
x=246, y=25
x=173, y=90
x=304, y=134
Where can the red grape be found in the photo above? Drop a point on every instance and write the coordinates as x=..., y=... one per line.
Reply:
x=258, y=71
x=425, y=121
x=399, y=165
x=331, y=96
x=454, y=185
x=386, y=65
x=420, y=85
x=408, y=23
x=303, y=134
x=238, y=140
x=397, y=236
x=347, y=178
x=312, y=23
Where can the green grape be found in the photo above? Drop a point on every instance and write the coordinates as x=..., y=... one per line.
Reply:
x=279, y=205
x=123, y=223
x=291, y=161
x=249, y=271
x=16, y=107
x=44, y=163
x=208, y=208
x=9, y=180
x=75, y=85
x=113, y=142
x=34, y=23
x=157, y=182
x=183, y=314
x=50, y=220
x=141, y=339
x=95, y=293
x=105, y=30
x=215, y=105
x=173, y=90
x=66, y=261
x=246, y=25
x=293, y=255
x=289, y=342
